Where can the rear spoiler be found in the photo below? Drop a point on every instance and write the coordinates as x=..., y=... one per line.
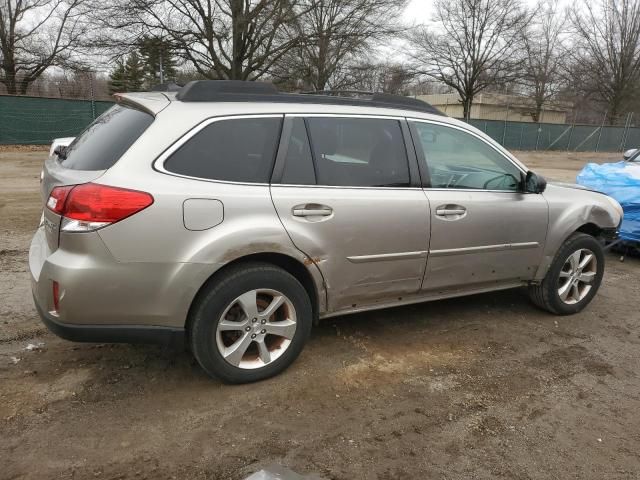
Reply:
x=151, y=102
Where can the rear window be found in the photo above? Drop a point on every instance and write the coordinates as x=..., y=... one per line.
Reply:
x=235, y=150
x=102, y=144
x=364, y=152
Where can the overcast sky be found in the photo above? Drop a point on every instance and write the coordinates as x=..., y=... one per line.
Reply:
x=419, y=11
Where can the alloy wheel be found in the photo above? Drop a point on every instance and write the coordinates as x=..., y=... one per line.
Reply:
x=577, y=276
x=256, y=328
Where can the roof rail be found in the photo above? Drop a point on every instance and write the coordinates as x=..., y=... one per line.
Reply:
x=166, y=87
x=247, y=91
x=341, y=93
x=212, y=90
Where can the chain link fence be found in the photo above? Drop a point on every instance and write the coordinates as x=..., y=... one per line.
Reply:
x=37, y=121
x=551, y=136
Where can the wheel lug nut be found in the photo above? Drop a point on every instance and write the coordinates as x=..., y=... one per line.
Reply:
x=253, y=335
x=263, y=321
x=254, y=320
x=263, y=331
x=248, y=328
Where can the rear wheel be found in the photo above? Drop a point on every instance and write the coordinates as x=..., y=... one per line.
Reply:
x=251, y=324
x=573, y=278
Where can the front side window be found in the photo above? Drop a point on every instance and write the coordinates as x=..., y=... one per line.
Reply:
x=358, y=152
x=103, y=142
x=235, y=150
x=456, y=159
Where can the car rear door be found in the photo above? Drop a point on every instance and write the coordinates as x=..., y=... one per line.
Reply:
x=348, y=195
x=485, y=231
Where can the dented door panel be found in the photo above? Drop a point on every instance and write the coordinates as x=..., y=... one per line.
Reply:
x=372, y=245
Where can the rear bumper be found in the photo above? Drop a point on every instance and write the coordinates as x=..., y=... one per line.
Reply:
x=174, y=337
x=102, y=300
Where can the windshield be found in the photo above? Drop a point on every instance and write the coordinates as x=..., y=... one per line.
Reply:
x=104, y=141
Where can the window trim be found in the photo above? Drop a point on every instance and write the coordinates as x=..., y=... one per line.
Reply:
x=423, y=163
x=283, y=150
x=409, y=148
x=158, y=163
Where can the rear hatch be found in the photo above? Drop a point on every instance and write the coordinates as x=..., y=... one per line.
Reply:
x=95, y=150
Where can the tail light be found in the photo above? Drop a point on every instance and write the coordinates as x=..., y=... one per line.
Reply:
x=56, y=296
x=90, y=206
x=57, y=199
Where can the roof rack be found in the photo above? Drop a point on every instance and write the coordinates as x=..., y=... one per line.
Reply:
x=341, y=93
x=166, y=87
x=242, y=91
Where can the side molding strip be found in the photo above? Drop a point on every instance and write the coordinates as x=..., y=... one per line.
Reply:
x=388, y=256
x=483, y=249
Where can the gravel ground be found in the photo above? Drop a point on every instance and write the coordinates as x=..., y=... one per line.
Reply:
x=481, y=387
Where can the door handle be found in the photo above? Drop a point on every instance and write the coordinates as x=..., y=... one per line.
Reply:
x=443, y=212
x=451, y=212
x=312, y=211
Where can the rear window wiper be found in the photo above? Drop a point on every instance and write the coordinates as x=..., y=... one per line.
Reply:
x=61, y=152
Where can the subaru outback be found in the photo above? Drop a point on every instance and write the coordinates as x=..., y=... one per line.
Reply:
x=231, y=217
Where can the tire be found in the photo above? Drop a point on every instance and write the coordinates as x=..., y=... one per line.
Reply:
x=547, y=295
x=231, y=297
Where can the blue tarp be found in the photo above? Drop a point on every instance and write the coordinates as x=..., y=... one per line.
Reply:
x=621, y=181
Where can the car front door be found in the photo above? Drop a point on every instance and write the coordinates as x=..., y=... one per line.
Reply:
x=349, y=197
x=485, y=231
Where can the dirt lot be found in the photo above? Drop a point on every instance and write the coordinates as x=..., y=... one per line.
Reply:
x=480, y=387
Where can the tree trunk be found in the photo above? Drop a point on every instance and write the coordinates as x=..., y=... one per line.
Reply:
x=237, y=21
x=9, y=81
x=23, y=85
x=10, y=85
x=321, y=81
x=537, y=113
x=466, y=107
x=614, y=110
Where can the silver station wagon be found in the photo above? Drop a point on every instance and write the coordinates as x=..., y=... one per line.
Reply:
x=231, y=217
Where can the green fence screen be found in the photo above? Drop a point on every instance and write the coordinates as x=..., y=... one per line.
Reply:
x=551, y=136
x=35, y=120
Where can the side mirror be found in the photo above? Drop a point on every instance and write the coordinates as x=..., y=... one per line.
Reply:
x=534, y=183
x=630, y=153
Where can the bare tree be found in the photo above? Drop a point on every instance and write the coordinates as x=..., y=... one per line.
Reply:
x=35, y=35
x=333, y=34
x=219, y=39
x=67, y=83
x=608, y=50
x=385, y=77
x=544, y=55
x=476, y=47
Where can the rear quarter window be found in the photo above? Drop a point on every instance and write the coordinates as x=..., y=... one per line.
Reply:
x=235, y=150
x=103, y=142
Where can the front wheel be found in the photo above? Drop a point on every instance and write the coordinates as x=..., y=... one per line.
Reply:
x=251, y=324
x=573, y=278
